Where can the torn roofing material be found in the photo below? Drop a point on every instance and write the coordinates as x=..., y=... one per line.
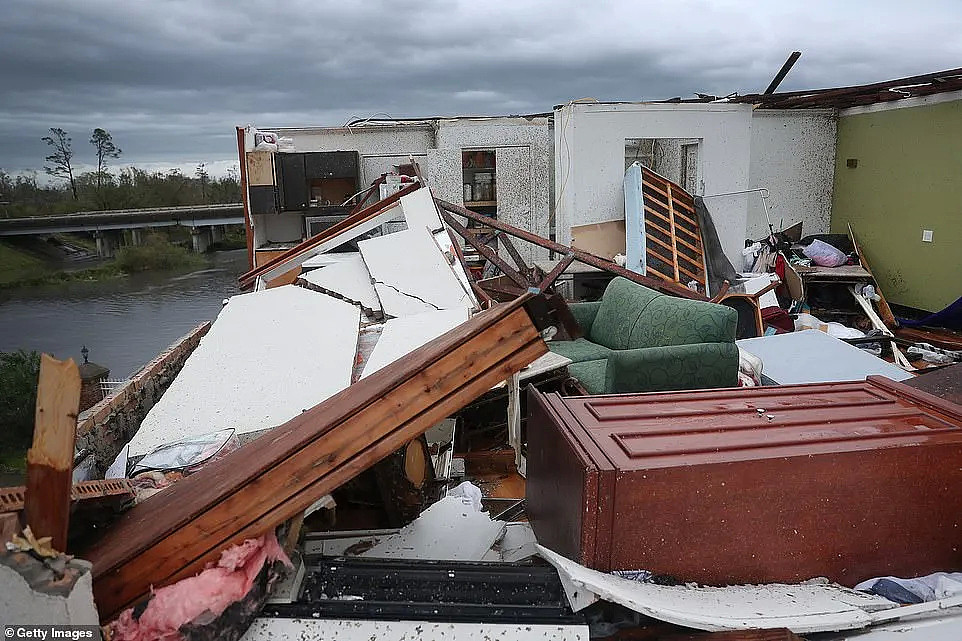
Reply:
x=842, y=97
x=411, y=275
x=246, y=493
x=801, y=608
x=268, y=356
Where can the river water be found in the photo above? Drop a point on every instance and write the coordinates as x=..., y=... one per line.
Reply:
x=124, y=322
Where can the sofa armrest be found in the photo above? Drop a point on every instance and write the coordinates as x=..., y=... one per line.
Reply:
x=677, y=367
x=585, y=313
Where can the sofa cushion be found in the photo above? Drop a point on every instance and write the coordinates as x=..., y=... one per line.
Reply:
x=579, y=350
x=591, y=375
x=621, y=306
x=677, y=321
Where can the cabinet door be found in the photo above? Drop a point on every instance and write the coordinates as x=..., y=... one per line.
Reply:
x=292, y=181
x=331, y=164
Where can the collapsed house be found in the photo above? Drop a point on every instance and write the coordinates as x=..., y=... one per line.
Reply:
x=439, y=415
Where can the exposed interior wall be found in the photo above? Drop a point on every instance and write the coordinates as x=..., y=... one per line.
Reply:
x=906, y=180
x=793, y=156
x=380, y=148
x=530, y=140
x=590, y=156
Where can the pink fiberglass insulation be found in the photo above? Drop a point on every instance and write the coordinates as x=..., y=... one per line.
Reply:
x=212, y=590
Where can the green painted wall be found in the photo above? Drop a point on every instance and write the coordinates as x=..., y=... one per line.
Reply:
x=909, y=178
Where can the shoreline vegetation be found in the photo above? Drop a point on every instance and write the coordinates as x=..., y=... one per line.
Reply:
x=20, y=269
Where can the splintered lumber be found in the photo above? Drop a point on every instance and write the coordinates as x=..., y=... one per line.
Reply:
x=252, y=490
x=664, y=286
x=672, y=225
x=50, y=459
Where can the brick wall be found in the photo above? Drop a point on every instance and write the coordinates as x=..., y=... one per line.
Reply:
x=106, y=427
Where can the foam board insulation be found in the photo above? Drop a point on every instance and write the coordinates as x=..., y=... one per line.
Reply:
x=268, y=356
x=412, y=275
x=403, y=335
x=349, y=278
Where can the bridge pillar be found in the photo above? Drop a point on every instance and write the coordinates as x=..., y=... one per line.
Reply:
x=200, y=237
x=136, y=236
x=106, y=244
x=216, y=233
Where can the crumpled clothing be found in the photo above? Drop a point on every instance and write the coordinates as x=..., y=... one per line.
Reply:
x=931, y=587
x=212, y=590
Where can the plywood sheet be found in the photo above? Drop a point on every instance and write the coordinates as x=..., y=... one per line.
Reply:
x=812, y=356
x=268, y=356
x=411, y=275
x=605, y=239
x=347, y=278
x=401, y=336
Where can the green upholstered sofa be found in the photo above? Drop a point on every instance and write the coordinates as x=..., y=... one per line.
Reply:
x=639, y=340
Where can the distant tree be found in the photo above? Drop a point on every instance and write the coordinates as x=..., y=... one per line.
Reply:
x=104, y=145
x=204, y=178
x=61, y=165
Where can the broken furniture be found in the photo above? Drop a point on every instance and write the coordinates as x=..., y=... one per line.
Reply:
x=751, y=485
x=250, y=491
x=945, y=382
x=639, y=340
x=812, y=356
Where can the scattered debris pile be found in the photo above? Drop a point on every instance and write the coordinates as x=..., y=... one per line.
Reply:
x=348, y=453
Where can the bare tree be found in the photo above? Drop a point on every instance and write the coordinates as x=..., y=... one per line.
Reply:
x=60, y=160
x=104, y=145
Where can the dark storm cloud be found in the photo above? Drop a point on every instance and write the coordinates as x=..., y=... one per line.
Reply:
x=171, y=78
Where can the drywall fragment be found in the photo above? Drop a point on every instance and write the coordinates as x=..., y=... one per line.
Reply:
x=450, y=530
x=802, y=608
x=348, y=279
x=269, y=356
x=412, y=275
x=403, y=335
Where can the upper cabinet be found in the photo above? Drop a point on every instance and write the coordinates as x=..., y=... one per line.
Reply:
x=316, y=179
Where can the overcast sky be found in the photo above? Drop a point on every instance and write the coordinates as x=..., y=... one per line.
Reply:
x=170, y=79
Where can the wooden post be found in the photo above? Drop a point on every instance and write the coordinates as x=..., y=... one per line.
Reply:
x=50, y=460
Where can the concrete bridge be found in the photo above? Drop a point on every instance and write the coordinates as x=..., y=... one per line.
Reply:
x=206, y=223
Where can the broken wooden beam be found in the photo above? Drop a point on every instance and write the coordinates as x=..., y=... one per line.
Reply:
x=50, y=459
x=250, y=491
x=556, y=271
x=485, y=251
x=666, y=287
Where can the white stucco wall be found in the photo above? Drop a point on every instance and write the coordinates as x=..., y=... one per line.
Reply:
x=532, y=138
x=590, y=159
x=793, y=156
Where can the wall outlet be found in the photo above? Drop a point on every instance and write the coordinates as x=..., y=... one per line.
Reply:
x=926, y=235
